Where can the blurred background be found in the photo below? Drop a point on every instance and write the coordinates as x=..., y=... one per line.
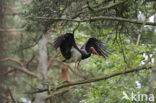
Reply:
x=28, y=60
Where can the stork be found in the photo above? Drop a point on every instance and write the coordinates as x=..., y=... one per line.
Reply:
x=72, y=53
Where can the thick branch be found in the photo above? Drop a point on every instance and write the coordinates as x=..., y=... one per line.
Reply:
x=104, y=77
x=101, y=18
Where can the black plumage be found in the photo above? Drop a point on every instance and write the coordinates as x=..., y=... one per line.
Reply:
x=100, y=48
x=71, y=52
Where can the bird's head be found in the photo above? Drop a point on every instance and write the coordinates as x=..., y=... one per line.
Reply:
x=94, y=51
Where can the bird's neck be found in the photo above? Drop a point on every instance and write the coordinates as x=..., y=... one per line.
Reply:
x=84, y=54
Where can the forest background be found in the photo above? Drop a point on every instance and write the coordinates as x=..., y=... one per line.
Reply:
x=31, y=71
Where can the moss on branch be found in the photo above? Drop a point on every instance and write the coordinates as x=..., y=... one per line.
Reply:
x=99, y=18
x=99, y=78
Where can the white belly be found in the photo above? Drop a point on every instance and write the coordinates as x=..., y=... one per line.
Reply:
x=75, y=55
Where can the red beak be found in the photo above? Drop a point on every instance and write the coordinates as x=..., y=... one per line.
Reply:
x=94, y=51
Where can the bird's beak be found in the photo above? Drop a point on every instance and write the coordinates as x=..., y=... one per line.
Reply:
x=94, y=51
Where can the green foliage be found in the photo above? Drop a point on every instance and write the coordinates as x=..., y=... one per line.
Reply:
x=120, y=37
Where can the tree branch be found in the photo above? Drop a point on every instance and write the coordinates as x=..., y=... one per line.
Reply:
x=10, y=30
x=21, y=67
x=60, y=92
x=95, y=79
x=12, y=59
x=9, y=71
x=93, y=19
x=99, y=9
x=102, y=2
x=11, y=95
x=109, y=6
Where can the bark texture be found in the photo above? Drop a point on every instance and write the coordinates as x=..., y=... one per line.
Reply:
x=42, y=68
x=2, y=67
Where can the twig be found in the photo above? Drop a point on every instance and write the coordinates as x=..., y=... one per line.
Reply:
x=29, y=61
x=12, y=98
x=60, y=92
x=9, y=71
x=77, y=26
x=23, y=69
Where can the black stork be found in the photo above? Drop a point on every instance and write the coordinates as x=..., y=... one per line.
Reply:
x=72, y=53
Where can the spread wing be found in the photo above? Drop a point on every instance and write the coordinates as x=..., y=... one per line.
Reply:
x=65, y=42
x=98, y=47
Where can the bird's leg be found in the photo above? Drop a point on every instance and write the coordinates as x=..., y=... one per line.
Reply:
x=75, y=71
x=78, y=67
x=83, y=75
x=75, y=68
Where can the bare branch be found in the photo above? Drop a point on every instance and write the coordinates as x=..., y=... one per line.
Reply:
x=21, y=67
x=9, y=71
x=12, y=59
x=99, y=18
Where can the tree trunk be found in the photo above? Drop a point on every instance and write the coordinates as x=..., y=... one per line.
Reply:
x=42, y=68
x=2, y=67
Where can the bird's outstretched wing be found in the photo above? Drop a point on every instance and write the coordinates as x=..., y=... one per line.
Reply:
x=65, y=42
x=93, y=45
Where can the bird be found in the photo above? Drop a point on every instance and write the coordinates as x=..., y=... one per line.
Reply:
x=72, y=53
